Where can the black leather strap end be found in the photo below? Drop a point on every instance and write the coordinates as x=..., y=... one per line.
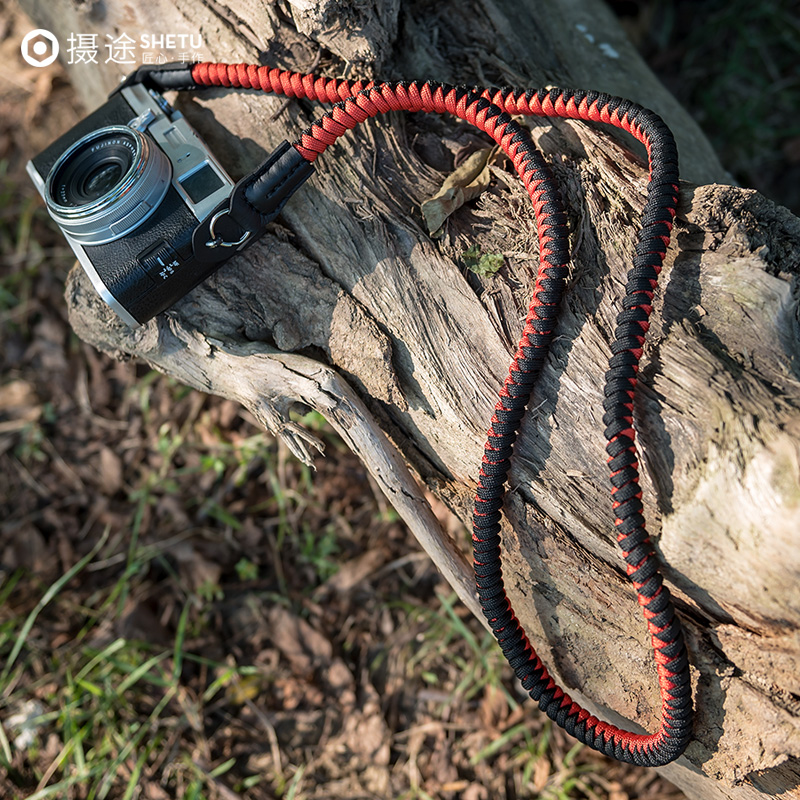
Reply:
x=254, y=202
x=176, y=75
x=277, y=179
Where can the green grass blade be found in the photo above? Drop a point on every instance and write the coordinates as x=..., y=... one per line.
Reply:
x=101, y=657
x=46, y=598
x=180, y=637
x=5, y=744
x=140, y=671
x=222, y=768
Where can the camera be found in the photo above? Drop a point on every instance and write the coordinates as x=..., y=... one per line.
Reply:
x=145, y=205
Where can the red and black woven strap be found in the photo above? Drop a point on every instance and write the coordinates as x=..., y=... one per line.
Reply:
x=490, y=110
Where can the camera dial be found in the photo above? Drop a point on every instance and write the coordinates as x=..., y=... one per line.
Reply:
x=106, y=184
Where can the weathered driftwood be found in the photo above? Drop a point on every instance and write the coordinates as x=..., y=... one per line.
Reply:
x=350, y=307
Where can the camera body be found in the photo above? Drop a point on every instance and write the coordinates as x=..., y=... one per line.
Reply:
x=145, y=205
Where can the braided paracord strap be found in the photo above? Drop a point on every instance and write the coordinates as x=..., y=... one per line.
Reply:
x=489, y=110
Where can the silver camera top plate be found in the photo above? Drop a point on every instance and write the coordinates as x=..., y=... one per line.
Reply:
x=193, y=164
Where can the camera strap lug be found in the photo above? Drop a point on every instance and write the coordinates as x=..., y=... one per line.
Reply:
x=142, y=122
x=177, y=75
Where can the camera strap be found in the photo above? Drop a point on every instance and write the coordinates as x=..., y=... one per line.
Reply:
x=254, y=201
x=490, y=111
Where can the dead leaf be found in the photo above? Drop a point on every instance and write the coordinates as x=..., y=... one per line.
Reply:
x=493, y=708
x=139, y=621
x=466, y=182
x=352, y=572
x=340, y=683
x=475, y=792
x=454, y=786
x=303, y=646
x=110, y=471
x=541, y=774
x=19, y=403
x=367, y=735
x=247, y=687
x=27, y=549
x=199, y=570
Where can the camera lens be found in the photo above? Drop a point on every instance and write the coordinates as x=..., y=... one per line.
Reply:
x=94, y=168
x=101, y=179
x=106, y=184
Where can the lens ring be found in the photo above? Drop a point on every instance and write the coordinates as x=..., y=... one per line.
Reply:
x=92, y=168
x=106, y=184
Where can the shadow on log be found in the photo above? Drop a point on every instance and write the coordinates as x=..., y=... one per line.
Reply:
x=350, y=308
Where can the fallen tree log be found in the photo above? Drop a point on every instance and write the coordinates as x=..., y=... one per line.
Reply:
x=351, y=308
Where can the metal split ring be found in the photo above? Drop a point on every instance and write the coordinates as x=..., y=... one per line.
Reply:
x=217, y=241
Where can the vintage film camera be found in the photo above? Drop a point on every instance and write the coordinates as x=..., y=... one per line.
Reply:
x=145, y=205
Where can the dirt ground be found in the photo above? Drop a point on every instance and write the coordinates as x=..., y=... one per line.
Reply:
x=187, y=611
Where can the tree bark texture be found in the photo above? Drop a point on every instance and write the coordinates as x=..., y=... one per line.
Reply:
x=351, y=308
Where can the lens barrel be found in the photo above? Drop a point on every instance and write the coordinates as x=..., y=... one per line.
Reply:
x=106, y=184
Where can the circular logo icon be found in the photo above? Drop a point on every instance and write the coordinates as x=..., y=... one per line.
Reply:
x=40, y=48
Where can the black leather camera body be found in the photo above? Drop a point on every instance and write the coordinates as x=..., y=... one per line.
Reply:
x=145, y=205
